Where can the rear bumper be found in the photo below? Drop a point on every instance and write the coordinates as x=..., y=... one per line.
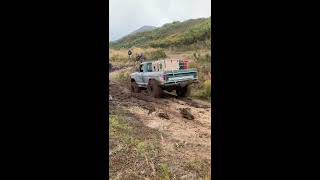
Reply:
x=180, y=83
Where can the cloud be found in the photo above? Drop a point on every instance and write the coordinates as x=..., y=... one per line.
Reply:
x=125, y=16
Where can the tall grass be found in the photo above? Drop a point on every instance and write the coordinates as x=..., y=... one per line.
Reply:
x=121, y=55
x=165, y=171
x=156, y=54
x=121, y=76
x=204, y=91
x=203, y=65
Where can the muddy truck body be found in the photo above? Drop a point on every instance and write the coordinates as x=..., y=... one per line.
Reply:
x=156, y=77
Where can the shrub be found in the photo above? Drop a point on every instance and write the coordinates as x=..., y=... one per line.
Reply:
x=123, y=75
x=156, y=54
x=204, y=91
x=165, y=171
x=206, y=58
x=192, y=64
x=207, y=88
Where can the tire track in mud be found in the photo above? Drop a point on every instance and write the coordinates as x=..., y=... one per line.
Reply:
x=182, y=138
x=197, y=131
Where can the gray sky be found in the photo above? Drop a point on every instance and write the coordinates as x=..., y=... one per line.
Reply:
x=126, y=16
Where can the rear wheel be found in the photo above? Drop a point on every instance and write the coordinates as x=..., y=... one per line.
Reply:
x=154, y=90
x=183, y=91
x=134, y=87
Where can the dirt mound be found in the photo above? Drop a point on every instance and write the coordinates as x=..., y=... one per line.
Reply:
x=186, y=113
x=164, y=115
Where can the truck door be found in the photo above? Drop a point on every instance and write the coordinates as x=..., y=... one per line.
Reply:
x=139, y=75
x=147, y=72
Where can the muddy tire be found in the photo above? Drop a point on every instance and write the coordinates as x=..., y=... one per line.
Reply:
x=183, y=91
x=134, y=87
x=154, y=90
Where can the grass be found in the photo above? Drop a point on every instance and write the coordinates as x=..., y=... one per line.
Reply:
x=141, y=149
x=121, y=76
x=190, y=34
x=131, y=150
x=116, y=122
x=134, y=147
x=165, y=173
x=120, y=56
x=203, y=92
x=202, y=62
x=201, y=168
x=130, y=147
x=156, y=54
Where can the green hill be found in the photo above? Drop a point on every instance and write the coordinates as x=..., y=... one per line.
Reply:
x=193, y=33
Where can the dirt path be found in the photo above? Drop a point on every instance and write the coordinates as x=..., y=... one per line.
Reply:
x=182, y=139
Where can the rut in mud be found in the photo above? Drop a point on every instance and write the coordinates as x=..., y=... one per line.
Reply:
x=182, y=139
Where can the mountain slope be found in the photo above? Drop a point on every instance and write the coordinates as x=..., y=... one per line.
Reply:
x=195, y=32
x=143, y=29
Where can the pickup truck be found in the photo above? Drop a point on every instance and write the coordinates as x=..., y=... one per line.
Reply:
x=157, y=81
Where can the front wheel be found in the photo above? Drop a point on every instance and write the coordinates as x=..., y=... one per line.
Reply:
x=183, y=91
x=134, y=87
x=154, y=90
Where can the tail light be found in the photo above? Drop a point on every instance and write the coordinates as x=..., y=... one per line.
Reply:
x=186, y=63
x=163, y=78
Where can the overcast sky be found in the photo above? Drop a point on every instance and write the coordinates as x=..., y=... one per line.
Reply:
x=126, y=16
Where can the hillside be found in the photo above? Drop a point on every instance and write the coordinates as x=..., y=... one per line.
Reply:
x=195, y=33
x=143, y=29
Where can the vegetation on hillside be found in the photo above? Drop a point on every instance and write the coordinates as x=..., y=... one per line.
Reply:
x=120, y=56
x=190, y=34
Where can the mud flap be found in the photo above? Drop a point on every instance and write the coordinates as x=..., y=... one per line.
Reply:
x=183, y=84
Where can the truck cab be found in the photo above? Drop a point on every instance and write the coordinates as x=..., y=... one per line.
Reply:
x=142, y=74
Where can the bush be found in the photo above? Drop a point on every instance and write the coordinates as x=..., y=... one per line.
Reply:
x=165, y=171
x=207, y=88
x=192, y=64
x=124, y=75
x=204, y=92
x=206, y=58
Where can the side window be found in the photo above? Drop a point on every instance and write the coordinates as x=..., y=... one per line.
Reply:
x=149, y=67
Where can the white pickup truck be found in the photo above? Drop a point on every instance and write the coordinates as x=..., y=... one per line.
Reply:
x=155, y=81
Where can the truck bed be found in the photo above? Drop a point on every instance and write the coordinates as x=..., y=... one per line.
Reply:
x=180, y=75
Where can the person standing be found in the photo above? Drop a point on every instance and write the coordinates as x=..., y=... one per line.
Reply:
x=129, y=53
x=142, y=57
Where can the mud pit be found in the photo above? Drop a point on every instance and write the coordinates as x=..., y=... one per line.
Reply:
x=182, y=140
